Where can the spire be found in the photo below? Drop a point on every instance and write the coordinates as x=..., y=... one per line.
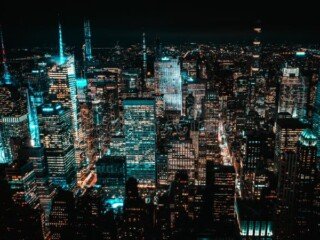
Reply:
x=87, y=40
x=33, y=122
x=61, y=53
x=6, y=75
x=144, y=57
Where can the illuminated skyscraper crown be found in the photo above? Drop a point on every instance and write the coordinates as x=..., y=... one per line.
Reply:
x=307, y=138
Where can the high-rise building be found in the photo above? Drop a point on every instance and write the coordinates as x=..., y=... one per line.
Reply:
x=306, y=180
x=316, y=119
x=87, y=40
x=168, y=82
x=255, y=67
x=292, y=93
x=63, y=89
x=62, y=216
x=111, y=172
x=13, y=119
x=181, y=156
x=6, y=78
x=21, y=178
x=220, y=182
x=140, y=140
x=57, y=139
x=287, y=132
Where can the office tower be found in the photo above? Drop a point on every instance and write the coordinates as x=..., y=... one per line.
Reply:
x=13, y=119
x=134, y=213
x=104, y=100
x=211, y=112
x=36, y=156
x=287, y=132
x=111, y=172
x=316, y=119
x=132, y=83
x=252, y=163
x=56, y=137
x=117, y=146
x=140, y=140
x=62, y=216
x=306, y=180
x=292, y=93
x=21, y=178
x=220, y=182
x=87, y=40
x=168, y=82
x=63, y=89
x=181, y=156
x=255, y=67
x=198, y=91
x=6, y=78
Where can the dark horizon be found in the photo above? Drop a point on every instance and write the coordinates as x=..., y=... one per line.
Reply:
x=34, y=24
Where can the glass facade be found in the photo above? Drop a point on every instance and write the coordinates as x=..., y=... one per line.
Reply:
x=140, y=140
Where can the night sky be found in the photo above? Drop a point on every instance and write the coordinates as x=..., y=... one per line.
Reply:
x=35, y=23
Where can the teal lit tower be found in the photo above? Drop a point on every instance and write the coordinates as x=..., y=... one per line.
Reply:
x=6, y=75
x=33, y=121
x=61, y=51
x=87, y=40
x=140, y=140
x=316, y=120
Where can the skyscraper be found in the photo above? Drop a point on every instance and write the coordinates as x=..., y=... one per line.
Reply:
x=306, y=180
x=56, y=137
x=6, y=78
x=87, y=40
x=168, y=82
x=140, y=140
x=255, y=67
x=292, y=94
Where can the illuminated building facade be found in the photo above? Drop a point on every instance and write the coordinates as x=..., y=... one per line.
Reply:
x=56, y=137
x=140, y=140
x=306, y=180
x=21, y=178
x=87, y=40
x=181, y=156
x=168, y=82
x=292, y=94
x=63, y=89
x=316, y=118
x=221, y=181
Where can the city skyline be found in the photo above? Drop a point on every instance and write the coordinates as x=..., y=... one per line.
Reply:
x=159, y=136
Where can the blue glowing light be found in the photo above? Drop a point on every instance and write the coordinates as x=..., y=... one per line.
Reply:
x=115, y=203
x=33, y=122
x=61, y=55
x=165, y=58
x=82, y=83
x=300, y=54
